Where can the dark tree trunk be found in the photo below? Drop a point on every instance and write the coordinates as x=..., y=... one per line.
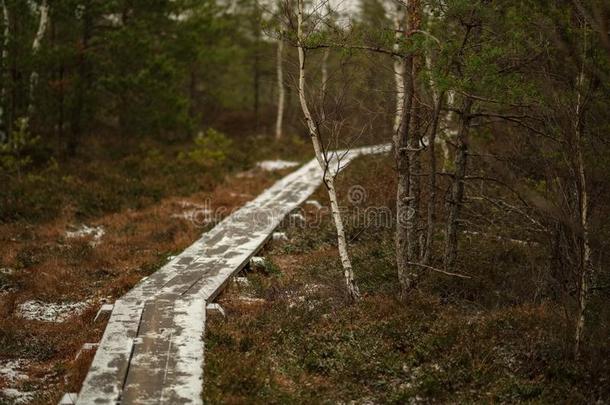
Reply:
x=456, y=197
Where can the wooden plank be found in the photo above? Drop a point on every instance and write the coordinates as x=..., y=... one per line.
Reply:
x=152, y=348
x=167, y=362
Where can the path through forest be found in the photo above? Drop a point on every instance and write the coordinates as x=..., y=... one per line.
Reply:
x=152, y=349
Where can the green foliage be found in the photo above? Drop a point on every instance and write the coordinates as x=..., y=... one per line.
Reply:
x=211, y=148
x=15, y=154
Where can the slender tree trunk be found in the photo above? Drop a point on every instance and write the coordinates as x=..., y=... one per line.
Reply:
x=437, y=100
x=438, y=103
x=448, y=132
x=43, y=22
x=407, y=146
x=457, y=188
x=4, y=135
x=399, y=66
x=280, y=89
x=414, y=156
x=586, y=268
x=324, y=69
x=329, y=179
x=256, y=70
x=83, y=82
x=402, y=191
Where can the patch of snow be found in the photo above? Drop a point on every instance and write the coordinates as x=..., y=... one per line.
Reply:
x=314, y=204
x=272, y=165
x=17, y=397
x=257, y=261
x=242, y=281
x=11, y=371
x=250, y=300
x=95, y=233
x=34, y=310
x=279, y=236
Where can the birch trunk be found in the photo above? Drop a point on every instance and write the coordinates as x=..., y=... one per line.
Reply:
x=5, y=20
x=402, y=190
x=329, y=179
x=586, y=269
x=447, y=133
x=445, y=119
x=399, y=67
x=280, y=90
x=43, y=22
x=437, y=100
x=407, y=144
x=457, y=188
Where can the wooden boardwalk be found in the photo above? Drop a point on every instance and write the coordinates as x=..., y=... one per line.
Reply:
x=152, y=349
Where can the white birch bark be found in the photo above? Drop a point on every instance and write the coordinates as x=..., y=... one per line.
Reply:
x=446, y=132
x=43, y=22
x=399, y=67
x=329, y=179
x=449, y=131
x=280, y=90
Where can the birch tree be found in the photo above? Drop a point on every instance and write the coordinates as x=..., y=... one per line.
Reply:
x=407, y=142
x=43, y=22
x=324, y=160
x=586, y=266
x=281, y=92
x=399, y=65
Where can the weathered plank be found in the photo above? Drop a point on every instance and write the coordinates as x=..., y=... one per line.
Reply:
x=152, y=349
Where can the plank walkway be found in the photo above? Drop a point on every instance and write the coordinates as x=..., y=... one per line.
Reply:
x=152, y=349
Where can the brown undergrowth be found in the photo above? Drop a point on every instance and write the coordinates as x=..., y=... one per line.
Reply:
x=47, y=266
x=291, y=336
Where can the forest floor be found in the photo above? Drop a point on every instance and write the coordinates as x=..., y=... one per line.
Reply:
x=59, y=267
x=290, y=335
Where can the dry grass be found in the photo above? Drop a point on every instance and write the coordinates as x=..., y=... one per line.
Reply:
x=50, y=267
x=296, y=339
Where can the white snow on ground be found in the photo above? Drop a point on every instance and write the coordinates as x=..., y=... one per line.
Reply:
x=11, y=374
x=16, y=397
x=257, y=261
x=271, y=165
x=34, y=310
x=96, y=233
x=12, y=371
